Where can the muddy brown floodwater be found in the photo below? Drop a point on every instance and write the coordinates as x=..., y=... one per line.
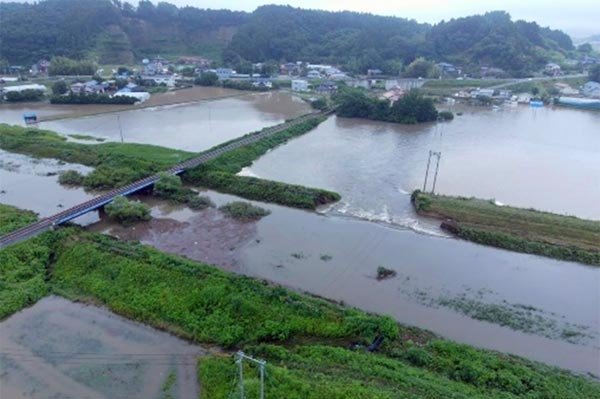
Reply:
x=206, y=235
x=61, y=349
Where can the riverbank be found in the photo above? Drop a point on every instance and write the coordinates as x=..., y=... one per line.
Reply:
x=522, y=230
x=118, y=164
x=291, y=331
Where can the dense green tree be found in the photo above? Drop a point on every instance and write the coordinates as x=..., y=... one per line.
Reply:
x=59, y=87
x=207, y=79
x=67, y=66
x=421, y=68
x=411, y=108
x=24, y=95
x=127, y=212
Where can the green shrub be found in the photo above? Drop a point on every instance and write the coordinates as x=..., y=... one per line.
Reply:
x=206, y=79
x=24, y=95
x=244, y=211
x=445, y=116
x=167, y=185
x=127, y=212
x=200, y=202
x=92, y=98
x=71, y=178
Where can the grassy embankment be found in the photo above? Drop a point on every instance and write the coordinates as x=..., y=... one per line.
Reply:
x=117, y=164
x=516, y=229
x=304, y=339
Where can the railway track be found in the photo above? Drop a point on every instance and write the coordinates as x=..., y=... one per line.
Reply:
x=50, y=222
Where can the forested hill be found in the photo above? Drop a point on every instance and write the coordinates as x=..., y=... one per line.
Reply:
x=117, y=32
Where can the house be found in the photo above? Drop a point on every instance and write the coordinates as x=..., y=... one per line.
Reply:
x=299, y=85
x=40, y=67
x=552, y=69
x=162, y=79
x=89, y=87
x=504, y=94
x=327, y=88
x=313, y=74
x=394, y=94
x=266, y=84
x=588, y=60
x=289, y=68
x=482, y=93
x=374, y=72
x=591, y=89
x=447, y=69
x=338, y=76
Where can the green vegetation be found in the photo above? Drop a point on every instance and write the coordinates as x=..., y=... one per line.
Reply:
x=242, y=85
x=66, y=66
x=71, y=178
x=220, y=174
x=445, y=116
x=411, y=108
x=305, y=340
x=200, y=202
x=86, y=137
x=24, y=95
x=113, y=31
x=515, y=316
x=118, y=164
x=421, y=68
x=207, y=79
x=22, y=266
x=12, y=218
x=127, y=212
x=244, y=211
x=92, y=98
x=522, y=230
x=59, y=87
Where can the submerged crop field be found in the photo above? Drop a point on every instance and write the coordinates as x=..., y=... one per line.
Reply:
x=522, y=230
x=314, y=348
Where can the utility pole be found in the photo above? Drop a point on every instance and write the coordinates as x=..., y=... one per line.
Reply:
x=437, y=167
x=261, y=365
x=438, y=155
x=120, y=128
x=427, y=171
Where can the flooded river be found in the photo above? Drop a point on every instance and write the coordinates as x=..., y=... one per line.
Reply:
x=544, y=158
x=337, y=258
x=61, y=349
x=548, y=159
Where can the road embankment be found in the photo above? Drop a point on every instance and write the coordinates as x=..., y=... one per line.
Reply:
x=516, y=229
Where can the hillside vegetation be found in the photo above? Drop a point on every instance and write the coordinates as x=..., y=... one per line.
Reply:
x=522, y=230
x=117, y=32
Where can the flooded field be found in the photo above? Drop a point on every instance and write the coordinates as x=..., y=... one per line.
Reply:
x=32, y=184
x=61, y=349
x=541, y=158
x=193, y=126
